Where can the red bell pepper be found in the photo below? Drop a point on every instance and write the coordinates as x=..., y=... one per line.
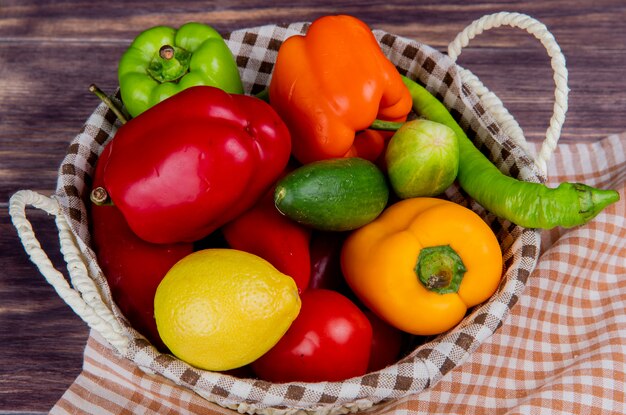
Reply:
x=265, y=232
x=133, y=267
x=193, y=162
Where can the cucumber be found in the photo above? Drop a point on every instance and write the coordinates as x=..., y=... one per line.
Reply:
x=339, y=194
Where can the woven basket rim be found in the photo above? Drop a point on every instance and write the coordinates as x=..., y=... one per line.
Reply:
x=459, y=345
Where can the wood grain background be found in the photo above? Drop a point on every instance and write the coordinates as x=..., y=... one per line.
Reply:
x=50, y=51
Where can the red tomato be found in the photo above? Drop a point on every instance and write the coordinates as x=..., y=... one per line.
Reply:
x=386, y=343
x=330, y=340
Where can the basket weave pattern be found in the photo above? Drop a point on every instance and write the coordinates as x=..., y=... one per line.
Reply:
x=255, y=50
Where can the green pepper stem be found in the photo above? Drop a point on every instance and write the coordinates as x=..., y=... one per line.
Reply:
x=440, y=269
x=170, y=64
x=109, y=103
x=166, y=52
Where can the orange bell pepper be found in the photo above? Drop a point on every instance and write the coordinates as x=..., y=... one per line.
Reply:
x=422, y=263
x=333, y=82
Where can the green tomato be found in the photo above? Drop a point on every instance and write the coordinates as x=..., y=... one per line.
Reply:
x=422, y=159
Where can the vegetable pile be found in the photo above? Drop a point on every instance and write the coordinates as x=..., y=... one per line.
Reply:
x=296, y=235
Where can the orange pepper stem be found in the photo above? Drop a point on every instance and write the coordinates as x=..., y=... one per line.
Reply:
x=440, y=269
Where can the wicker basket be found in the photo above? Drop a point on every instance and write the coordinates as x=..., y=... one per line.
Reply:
x=493, y=130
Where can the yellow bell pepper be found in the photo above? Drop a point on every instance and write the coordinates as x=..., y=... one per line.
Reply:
x=422, y=263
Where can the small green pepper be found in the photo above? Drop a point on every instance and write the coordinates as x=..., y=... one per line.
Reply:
x=531, y=205
x=163, y=61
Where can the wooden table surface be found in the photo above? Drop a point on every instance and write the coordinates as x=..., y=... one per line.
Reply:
x=50, y=51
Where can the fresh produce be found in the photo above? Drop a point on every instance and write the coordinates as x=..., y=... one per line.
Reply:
x=422, y=264
x=332, y=83
x=334, y=194
x=531, y=205
x=220, y=309
x=325, y=250
x=387, y=343
x=133, y=267
x=195, y=161
x=163, y=61
x=263, y=231
x=305, y=274
x=422, y=159
x=330, y=340
x=326, y=272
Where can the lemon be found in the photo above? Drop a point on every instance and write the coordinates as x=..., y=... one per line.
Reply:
x=219, y=309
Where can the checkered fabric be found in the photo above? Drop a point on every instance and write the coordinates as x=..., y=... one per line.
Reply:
x=418, y=372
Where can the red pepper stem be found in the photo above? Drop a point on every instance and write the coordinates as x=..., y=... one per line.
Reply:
x=99, y=196
x=109, y=103
x=383, y=125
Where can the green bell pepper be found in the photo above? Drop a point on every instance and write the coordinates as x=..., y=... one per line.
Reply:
x=163, y=61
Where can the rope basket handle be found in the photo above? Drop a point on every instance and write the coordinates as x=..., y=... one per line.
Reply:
x=83, y=296
x=493, y=104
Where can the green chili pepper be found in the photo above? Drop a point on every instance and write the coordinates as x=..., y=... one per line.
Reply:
x=162, y=61
x=531, y=205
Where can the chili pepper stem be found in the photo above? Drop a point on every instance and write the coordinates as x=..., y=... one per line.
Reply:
x=440, y=269
x=109, y=103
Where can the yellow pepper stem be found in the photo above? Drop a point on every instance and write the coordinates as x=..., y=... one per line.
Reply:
x=440, y=269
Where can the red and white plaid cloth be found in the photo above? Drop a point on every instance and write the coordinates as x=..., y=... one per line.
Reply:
x=562, y=349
